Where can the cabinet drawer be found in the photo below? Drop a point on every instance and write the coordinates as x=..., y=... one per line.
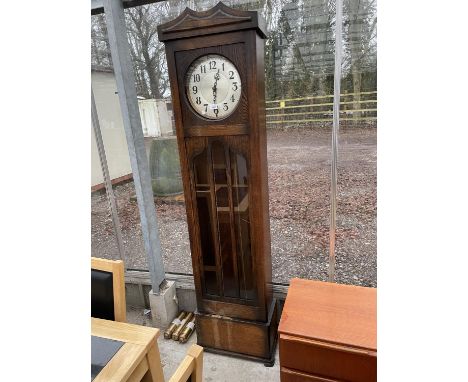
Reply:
x=288, y=375
x=327, y=360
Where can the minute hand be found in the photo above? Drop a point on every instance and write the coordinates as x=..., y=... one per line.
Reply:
x=215, y=88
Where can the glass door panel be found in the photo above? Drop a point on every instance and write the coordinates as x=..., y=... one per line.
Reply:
x=221, y=180
x=206, y=222
x=240, y=196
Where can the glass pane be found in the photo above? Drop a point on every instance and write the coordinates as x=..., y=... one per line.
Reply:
x=356, y=234
x=299, y=66
x=118, y=162
x=206, y=219
x=240, y=196
x=157, y=121
x=156, y=112
x=103, y=239
x=224, y=215
x=299, y=69
x=204, y=207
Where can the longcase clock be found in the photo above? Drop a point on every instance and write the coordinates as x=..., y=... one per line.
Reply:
x=216, y=69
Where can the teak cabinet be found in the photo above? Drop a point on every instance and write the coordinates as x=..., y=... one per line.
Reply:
x=225, y=174
x=328, y=333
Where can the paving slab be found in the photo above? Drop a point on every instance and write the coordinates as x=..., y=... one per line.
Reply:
x=216, y=368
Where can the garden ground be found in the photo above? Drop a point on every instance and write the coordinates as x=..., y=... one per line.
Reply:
x=299, y=187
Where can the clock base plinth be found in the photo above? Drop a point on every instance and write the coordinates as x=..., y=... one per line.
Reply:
x=239, y=338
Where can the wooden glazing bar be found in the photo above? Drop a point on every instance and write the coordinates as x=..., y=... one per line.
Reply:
x=231, y=218
x=214, y=220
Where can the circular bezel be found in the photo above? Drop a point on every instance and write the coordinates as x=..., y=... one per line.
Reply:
x=207, y=88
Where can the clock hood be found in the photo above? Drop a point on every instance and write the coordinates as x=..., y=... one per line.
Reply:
x=218, y=19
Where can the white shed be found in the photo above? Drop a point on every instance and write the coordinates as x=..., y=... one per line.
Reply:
x=156, y=120
x=112, y=130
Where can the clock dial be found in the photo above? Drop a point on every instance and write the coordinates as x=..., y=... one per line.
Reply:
x=213, y=86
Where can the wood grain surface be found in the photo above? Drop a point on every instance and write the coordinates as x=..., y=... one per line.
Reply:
x=138, y=357
x=288, y=375
x=121, y=331
x=332, y=313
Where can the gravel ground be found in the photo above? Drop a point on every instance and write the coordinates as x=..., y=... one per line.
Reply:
x=299, y=184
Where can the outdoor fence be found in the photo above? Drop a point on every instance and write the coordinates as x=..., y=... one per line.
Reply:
x=355, y=109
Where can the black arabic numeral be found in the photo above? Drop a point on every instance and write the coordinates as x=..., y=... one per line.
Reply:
x=195, y=89
x=196, y=78
x=223, y=66
x=225, y=107
x=231, y=75
x=234, y=86
x=216, y=111
x=198, y=101
x=212, y=64
x=202, y=68
x=232, y=98
x=206, y=107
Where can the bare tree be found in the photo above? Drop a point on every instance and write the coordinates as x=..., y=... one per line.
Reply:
x=149, y=59
x=299, y=51
x=360, y=44
x=100, y=48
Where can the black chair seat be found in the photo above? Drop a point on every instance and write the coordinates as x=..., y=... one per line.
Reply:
x=102, y=295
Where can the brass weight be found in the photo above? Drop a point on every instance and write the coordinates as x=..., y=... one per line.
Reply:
x=187, y=331
x=178, y=331
x=175, y=324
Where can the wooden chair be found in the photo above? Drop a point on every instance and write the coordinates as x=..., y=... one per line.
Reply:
x=191, y=368
x=108, y=289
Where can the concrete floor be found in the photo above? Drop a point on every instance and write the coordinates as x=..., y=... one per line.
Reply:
x=216, y=368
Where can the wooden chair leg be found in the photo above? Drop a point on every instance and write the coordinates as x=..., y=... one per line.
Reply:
x=155, y=370
x=196, y=352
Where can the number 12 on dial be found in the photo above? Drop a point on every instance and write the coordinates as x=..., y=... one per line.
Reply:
x=213, y=86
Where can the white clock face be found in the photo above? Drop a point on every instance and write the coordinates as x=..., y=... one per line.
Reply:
x=213, y=86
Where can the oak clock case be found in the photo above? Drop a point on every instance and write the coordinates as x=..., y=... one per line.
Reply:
x=224, y=171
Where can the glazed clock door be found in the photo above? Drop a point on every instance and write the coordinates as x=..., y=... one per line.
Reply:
x=220, y=180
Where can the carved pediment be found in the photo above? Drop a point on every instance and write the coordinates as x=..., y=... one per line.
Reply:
x=220, y=18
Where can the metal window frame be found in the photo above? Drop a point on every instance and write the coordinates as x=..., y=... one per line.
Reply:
x=97, y=6
x=125, y=80
x=335, y=132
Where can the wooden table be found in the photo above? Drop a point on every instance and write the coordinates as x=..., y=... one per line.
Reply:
x=328, y=332
x=137, y=360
